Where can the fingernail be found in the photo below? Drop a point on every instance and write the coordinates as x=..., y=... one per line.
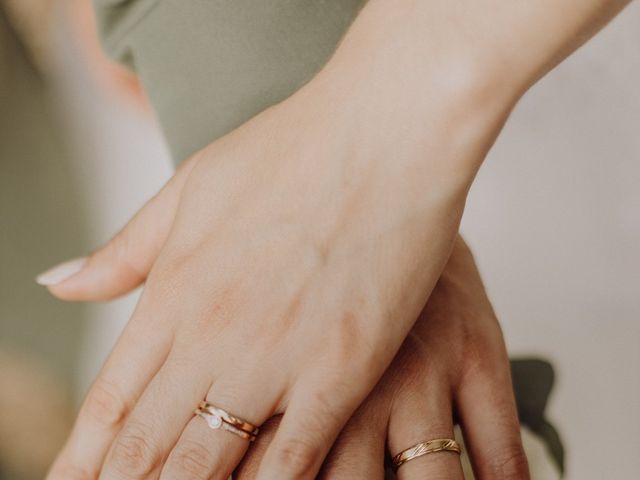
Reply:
x=61, y=272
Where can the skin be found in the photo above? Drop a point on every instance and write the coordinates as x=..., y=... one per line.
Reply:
x=292, y=308
x=452, y=358
x=286, y=263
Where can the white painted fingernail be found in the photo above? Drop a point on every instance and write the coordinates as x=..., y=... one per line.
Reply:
x=61, y=272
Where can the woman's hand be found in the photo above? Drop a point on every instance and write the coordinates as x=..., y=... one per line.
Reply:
x=453, y=363
x=288, y=263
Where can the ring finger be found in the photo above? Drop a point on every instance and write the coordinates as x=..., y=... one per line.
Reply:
x=207, y=449
x=418, y=416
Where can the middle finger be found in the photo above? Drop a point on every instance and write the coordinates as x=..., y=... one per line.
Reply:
x=155, y=422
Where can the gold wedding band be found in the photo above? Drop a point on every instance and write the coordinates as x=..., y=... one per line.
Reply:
x=420, y=449
x=217, y=417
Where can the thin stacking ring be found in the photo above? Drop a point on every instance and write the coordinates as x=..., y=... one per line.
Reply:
x=423, y=448
x=217, y=417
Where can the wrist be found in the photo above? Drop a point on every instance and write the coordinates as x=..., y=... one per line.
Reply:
x=440, y=121
x=399, y=100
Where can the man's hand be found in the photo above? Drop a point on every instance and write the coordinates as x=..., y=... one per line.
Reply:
x=453, y=364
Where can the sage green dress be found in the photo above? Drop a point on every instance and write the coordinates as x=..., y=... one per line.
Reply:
x=210, y=65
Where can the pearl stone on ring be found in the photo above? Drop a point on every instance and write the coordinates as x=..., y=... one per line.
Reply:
x=217, y=418
x=214, y=421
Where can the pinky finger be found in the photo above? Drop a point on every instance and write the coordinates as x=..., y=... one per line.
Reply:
x=489, y=419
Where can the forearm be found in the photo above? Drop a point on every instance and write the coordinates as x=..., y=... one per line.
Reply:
x=509, y=42
x=403, y=60
x=523, y=40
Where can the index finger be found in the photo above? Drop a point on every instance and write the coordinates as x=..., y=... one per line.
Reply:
x=126, y=373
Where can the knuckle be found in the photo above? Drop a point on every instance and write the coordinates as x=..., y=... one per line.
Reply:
x=297, y=457
x=119, y=246
x=322, y=415
x=412, y=363
x=193, y=461
x=476, y=352
x=104, y=404
x=134, y=455
x=481, y=362
x=175, y=264
x=121, y=250
x=166, y=279
x=353, y=348
x=509, y=464
x=483, y=351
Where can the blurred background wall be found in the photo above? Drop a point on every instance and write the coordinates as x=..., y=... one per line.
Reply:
x=554, y=220
x=41, y=220
x=79, y=152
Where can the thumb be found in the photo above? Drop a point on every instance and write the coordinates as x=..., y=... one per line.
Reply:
x=124, y=262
